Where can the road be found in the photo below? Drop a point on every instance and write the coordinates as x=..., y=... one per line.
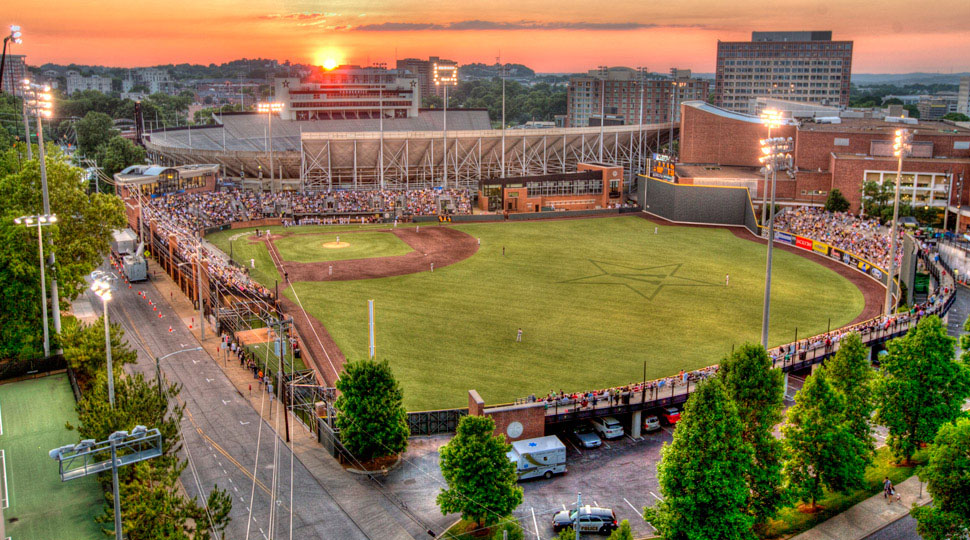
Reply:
x=223, y=434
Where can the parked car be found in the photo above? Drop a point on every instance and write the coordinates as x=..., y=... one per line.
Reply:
x=592, y=519
x=586, y=436
x=608, y=426
x=669, y=416
x=651, y=423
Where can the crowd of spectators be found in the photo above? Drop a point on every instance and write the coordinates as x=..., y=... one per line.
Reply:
x=865, y=238
x=211, y=209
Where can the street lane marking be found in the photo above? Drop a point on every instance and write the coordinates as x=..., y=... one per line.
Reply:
x=631, y=506
x=224, y=402
x=243, y=423
x=655, y=496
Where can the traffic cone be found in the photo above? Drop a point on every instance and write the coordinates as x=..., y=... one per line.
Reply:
x=154, y=309
x=170, y=329
x=159, y=315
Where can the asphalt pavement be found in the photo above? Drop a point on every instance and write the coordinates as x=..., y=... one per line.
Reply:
x=223, y=433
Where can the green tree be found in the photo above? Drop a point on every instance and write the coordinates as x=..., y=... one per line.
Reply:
x=566, y=534
x=956, y=117
x=84, y=349
x=921, y=386
x=836, y=202
x=852, y=377
x=822, y=452
x=701, y=472
x=947, y=475
x=95, y=129
x=79, y=239
x=372, y=420
x=623, y=532
x=481, y=479
x=118, y=153
x=758, y=392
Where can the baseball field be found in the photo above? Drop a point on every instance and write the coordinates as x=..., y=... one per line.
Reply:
x=598, y=301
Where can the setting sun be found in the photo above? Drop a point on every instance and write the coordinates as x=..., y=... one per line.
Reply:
x=329, y=64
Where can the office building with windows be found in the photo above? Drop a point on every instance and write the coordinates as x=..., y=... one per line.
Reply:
x=796, y=66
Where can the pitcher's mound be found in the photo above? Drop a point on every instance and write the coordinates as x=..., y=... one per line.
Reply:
x=336, y=245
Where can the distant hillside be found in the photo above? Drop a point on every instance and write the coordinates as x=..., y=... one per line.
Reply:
x=904, y=79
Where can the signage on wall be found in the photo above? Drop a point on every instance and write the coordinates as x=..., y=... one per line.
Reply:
x=662, y=166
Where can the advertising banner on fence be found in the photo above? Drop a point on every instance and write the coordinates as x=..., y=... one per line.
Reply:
x=785, y=237
x=820, y=247
x=804, y=243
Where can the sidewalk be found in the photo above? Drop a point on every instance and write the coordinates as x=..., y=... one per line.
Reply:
x=870, y=515
x=355, y=499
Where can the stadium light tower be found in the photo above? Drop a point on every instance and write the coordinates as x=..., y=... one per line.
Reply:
x=270, y=108
x=902, y=146
x=39, y=101
x=772, y=119
x=641, y=74
x=776, y=156
x=92, y=457
x=15, y=37
x=40, y=221
x=102, y=287
x=446, y=75
x=604, y=72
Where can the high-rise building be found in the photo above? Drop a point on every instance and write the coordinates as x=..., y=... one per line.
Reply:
x=797, y=66
x=14, y=71
x=349, y=92
x=76, y=83
x=424, y=71
x=963, y=96
x=616, y=93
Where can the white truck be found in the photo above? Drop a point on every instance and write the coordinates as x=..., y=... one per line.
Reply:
x=542, y=456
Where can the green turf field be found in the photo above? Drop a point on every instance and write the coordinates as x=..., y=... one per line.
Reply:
x=42, y=507
x=595, y=298
x=308, y=247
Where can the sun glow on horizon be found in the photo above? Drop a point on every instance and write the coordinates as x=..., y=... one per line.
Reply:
x=329, y=64
x=328, y=58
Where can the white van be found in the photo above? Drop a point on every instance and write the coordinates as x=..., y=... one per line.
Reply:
x=542, y=456
x=608, y=426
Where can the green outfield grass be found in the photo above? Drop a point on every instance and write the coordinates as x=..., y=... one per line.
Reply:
x=308, y=247
x=33, y=414
x=596, y=299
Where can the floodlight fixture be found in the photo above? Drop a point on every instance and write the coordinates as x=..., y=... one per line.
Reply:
x=445, y=74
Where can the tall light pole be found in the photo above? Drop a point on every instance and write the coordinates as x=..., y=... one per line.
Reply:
x=445, y=75
x=15, y=37
x=29, y=221
x=40, y=101
x=382, y=66
x=776, y=156
x=270, y=108
x=604, y=73
x=770, y=118
x=102, y=287
x=902, y=145
x=674, y=90
x=503, y=74
x=158, y=369
x=642, y=71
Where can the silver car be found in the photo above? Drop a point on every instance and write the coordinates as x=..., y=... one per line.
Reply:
x=586, y=436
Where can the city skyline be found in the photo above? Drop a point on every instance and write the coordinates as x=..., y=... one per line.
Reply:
x=565, y=37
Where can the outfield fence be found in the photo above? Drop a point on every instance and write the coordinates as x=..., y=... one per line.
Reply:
x=17, y=369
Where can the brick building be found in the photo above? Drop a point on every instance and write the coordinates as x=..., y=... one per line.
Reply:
x=801, y=66
x=424, y=71
x=14, y=72
x=592, y=187
x=830, y=153
x=621, y=88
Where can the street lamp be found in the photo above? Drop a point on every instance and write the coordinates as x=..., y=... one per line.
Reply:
x=158, y=370
x=40, y=221
x=776, y=156
x=771, y=118
x=101, y=286
x=902, y=145
x=38, y=99
x=446, y=75
x=15, y=37
x=93, y=457
x=270, y=108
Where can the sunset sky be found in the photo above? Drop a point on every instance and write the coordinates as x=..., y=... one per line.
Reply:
x=891, y=36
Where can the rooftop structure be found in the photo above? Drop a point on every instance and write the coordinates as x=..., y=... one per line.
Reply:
x=616, y=91
x=349, y=93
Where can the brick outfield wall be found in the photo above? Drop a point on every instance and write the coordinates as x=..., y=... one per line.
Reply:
x=532, y=417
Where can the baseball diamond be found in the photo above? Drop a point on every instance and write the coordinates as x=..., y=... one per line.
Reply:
x=610, y=287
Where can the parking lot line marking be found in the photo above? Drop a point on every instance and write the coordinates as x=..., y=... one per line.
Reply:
x=655, y=496
x=667, y=430
x=631, y=506
x=595, y=503
x=535, y=523
x=573, y=445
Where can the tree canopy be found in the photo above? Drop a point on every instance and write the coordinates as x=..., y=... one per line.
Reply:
x=921, y=386
x=701, y=472
x=757, y=390
x=852, y=377
x=94, y=130
x=522, y=103
x=480, y=477
x=836, y=202
x=372, y=420
x=947, y=477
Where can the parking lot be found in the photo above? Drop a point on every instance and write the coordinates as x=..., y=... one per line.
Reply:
x=621, y=475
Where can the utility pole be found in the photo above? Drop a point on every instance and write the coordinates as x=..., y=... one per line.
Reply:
x=30, y=151
x=579, y=506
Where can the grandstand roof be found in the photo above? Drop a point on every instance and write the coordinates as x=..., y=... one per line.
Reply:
x=247, y=132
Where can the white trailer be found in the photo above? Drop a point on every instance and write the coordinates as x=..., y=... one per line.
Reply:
x=542, y=456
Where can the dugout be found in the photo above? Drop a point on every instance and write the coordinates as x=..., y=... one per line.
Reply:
x=592, y=186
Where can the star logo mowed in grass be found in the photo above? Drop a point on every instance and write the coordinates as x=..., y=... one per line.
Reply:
x=644, y=281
